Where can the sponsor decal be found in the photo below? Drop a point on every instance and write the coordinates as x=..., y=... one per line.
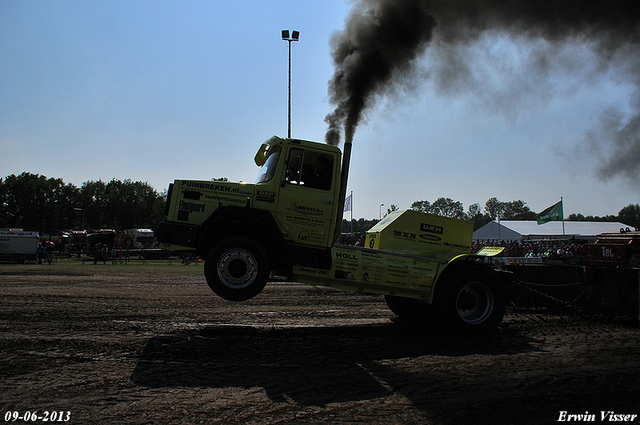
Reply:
x=430, y=237
x=304, y=210
x=404, y=235
x=227, y=200
x=431, y=228
x=395, y=282
x=344, y=274
x=192, y=194
x=265, y=196
x=217, y=187
x=191, y=206
x=457, y=245
x=346, y=256
x=12, y=233
x=308, y=270
x=372, y=239
x=304, y=236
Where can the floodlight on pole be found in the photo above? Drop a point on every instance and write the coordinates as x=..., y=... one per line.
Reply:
x=290, y=37
x=82, y=223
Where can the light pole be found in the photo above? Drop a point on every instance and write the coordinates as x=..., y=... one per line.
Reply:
x=82, y=223
x=381, y=205
x=295, y=35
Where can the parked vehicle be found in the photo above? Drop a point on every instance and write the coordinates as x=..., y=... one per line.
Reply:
x=17, y=245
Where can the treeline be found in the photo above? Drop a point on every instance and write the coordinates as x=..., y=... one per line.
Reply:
x=49, y=205
x=493, y=208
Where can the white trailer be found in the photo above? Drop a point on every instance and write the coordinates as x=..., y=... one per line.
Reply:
x=141, y=243
x=139, y=238
x=18, y=245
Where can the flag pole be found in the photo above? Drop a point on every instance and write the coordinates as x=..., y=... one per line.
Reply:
x=562, y=204
x=352, y=212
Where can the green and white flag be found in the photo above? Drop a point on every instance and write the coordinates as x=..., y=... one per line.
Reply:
x=553, y=213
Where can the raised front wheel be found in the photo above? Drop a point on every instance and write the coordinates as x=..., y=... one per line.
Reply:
x=237, y=269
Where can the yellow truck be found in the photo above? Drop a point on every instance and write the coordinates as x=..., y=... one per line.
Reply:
x=287, y=224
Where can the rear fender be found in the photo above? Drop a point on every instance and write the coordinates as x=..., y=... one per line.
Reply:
x=473, y=264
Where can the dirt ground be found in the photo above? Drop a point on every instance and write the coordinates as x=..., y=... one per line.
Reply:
x=137, y=348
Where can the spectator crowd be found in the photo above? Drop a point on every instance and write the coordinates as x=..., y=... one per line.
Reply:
x=569, y=251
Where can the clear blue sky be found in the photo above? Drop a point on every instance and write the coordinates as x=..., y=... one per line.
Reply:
x=159, y=90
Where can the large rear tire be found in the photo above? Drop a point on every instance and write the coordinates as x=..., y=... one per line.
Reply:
x=237, y=269
x=409, y=309
x=469, y=300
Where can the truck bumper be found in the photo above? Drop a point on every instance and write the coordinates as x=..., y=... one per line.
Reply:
x=183, y=235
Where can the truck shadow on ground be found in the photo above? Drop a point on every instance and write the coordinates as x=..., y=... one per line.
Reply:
x=309, y=365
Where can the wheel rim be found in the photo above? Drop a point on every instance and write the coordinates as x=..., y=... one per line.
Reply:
x=474, y=302
x=237, y=268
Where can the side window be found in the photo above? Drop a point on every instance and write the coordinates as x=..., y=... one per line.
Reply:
x=309, y=169
x=317, y=171
x=294, y=166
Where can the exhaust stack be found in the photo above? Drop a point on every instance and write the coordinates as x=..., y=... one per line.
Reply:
x=344, y=176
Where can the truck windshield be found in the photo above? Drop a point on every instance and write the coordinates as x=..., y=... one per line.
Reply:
x=269, y=168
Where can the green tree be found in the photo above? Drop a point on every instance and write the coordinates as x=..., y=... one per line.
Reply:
x=143, y=204
x=157, y=213
x=513, y=210
x=422, y=206
x=27, y=201
x=517, y=210
x=359, y=226
x=445, y=207
x=474, y=213
x=630, y=215
x=35, y=202
x=65, y=200
x=48, y=205
x=494, y=208
x=120, y=204
x=93, y=200
x=392, y=208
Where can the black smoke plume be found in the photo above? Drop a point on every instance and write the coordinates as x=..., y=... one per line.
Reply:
x=382, y=40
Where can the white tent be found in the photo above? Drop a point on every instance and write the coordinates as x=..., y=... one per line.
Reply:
x=531, y=230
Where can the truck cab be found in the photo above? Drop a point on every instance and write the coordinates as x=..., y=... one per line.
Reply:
x=291, y=208
x=299, y=183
